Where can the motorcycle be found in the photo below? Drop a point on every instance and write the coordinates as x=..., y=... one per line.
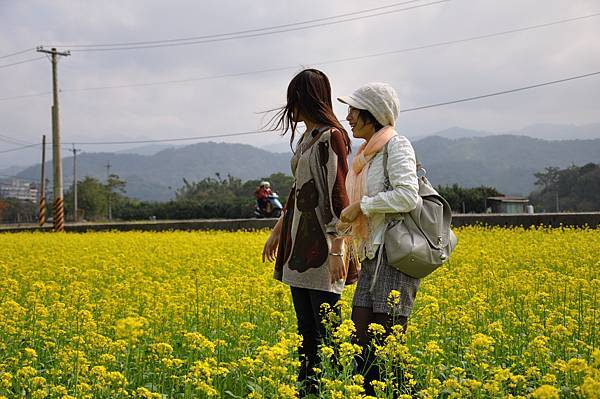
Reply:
x=272, y=208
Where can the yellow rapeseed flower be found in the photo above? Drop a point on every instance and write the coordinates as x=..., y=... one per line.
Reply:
x=198, y=314
x=546, y=392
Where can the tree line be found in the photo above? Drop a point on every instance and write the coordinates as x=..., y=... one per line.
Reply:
x=571, y=189
x=212, y=197
x=574, y=189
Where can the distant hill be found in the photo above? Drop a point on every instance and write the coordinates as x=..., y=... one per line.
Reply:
x=281, y=147
x=452, y=133
x=156, y=177
x=548, y=131
x=506, y=162
x=149, y=149
x=544, y=131
x=10, y=171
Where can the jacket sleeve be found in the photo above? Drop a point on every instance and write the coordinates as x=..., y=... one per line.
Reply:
x=338, y=162
x=402, y=171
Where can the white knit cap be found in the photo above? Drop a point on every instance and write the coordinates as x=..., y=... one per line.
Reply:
x=380, y=99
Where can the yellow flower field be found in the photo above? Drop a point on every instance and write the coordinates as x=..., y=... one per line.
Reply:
x=194, y=315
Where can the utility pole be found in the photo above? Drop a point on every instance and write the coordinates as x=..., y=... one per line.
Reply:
x=109, y=189
x=59, y=208
x=47, y=187
x=42, y=210
x=75, y=209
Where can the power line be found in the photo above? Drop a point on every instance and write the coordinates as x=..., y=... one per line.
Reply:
x=12, y=140
x=171, y=139
x=45, y=93
x=20, y=148
x=21, y=62
x=21, y=143
x=220, y=39
x=184, y=39
x=17, y=53
x=457, y=41
x=166, y=82
x=403, y=111
x=518, y=89
x=501, y=92
x=326, y=62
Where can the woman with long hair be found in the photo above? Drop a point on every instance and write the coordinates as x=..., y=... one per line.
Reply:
x=375, y=193
x=306, y=248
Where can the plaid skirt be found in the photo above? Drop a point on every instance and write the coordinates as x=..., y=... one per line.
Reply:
x=387, y=279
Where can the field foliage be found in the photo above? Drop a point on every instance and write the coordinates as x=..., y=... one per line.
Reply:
x=188, y=315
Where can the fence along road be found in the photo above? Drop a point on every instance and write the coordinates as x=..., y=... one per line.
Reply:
x=584, y=219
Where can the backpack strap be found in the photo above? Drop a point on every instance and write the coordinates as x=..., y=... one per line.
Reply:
x=386, y=177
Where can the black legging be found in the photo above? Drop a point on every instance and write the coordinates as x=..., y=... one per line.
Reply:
x=307, y=304
x=362, y=317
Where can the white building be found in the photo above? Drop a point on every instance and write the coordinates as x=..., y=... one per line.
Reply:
x=18, y=189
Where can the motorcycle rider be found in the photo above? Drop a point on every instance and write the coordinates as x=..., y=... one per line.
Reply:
x=262, y=194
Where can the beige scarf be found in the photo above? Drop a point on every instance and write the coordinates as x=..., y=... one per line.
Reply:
x=356, y=181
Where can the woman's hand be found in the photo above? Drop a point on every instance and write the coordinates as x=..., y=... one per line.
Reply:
x=337, y=269
x=270, y=248
x=351, y=212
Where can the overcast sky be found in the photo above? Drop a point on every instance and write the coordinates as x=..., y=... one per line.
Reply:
x=234, y=104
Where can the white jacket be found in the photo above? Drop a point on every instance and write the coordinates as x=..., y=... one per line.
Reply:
x=402, y=172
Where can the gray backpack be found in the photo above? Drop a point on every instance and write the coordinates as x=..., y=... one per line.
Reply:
x=418, y=242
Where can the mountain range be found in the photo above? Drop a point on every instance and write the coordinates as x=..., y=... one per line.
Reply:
x=156, y=177
x=12, y=161
x=506, y=162
x=543, y=131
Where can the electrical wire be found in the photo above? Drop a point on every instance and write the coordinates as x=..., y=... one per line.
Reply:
x=220, y=39
x=458, y=41
x=340, y=60
x=518, y=89
x=167, y=82
x=12, y=140
x=170, y=139
x=24, y=144
x=20, y=148
x=326, y=62
x=21, y=62
x=45, y=93
x=184, y=39
x=498, y=93
x=17, y=53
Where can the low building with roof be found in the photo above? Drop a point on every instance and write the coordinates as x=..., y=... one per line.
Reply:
x=508, y=204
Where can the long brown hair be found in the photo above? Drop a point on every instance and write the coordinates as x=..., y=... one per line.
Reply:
x=309, y=94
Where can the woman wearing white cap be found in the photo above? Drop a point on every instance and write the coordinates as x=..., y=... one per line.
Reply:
x=372, y=113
